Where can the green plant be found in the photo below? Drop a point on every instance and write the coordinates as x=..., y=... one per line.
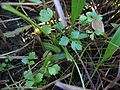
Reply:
x=95, y=20
x=30, y=59
x=2, y=66
x=58, y=41
x=45, y=71
x=45, y=15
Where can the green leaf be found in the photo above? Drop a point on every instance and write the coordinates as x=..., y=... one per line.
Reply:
x=83, y=35
x=76, y=45
x=57, y=57
x=77, y=7
x=47, y=60
x=9, y=57
x=1, y=67
x=31, y=55
x=17, y=31
x=46, y=15
x=112, y=47
x=89, y=20
x=91, y=14
x=24, y=60
x=29, y=83
x=82, y=18
x=31, y=62
x=75, y=35
x=52, y=71
x=51, y=47
x=68, y=56
x=59, y=26
x=28, y=75
x=46, y=29
x=38, y=77
x=115, y=25
x=57, y=68
x=98, y=18
x=64, y=41
x=36, y=1
x=4, y=64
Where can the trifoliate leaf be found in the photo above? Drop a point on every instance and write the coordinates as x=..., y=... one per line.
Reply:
x=76, y=45
x=46, y=15
x=31, y=55
x=38, y=77
x=46, y=29
x=64, y=41
x=75, y=35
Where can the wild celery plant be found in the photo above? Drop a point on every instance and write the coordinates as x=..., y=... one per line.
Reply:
x=77, y=7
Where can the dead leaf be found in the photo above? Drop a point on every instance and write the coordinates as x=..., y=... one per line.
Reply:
x=98, y=26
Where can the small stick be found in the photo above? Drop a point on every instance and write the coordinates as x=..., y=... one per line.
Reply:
x=15, y=4
x=60, y=12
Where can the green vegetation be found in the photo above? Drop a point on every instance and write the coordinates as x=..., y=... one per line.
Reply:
x=61, y=45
